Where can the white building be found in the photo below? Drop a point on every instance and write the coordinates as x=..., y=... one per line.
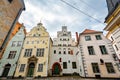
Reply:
x=96, y=55
x=63, y=55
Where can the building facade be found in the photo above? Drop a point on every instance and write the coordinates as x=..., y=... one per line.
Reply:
x=33, y=61
x=63, y=54
x=113, y=24
x=10, y=11
x=97, y=56
x=9, y=61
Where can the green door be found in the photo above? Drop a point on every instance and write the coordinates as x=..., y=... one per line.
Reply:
x=31, y=70
x=56, y=69
x=6, y=70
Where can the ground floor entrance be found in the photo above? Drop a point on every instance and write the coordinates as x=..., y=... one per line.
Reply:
x=56, y=69
x=6, y=70
x=30, y=70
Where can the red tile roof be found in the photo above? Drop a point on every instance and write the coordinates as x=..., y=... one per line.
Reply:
x=88, y=31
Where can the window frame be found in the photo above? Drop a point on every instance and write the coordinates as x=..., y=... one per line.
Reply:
x=74, y=65
x=109, y=67
x=22, y=68
x=87, y=38
x=40, y=68
x=64, y=65
x=91, y=50
x=95, y=67
x=98, y=37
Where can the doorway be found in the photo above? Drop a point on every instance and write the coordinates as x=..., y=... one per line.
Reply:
x=6, y=70
x=31, y=70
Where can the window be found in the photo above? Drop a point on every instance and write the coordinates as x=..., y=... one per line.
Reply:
x=54, y=51
x=95, y=67
x=68, y=52
x=74, y=65
x=22, y=67
x=91, y=50
x=110, y=68
x=64, y=65
x=64, y=52
x=116, y=47
x=87, y=38
x=10, y=1
x=40, y=52
x=59, y=52
x=112, y=38
x=98, y=37
x=12, y=54
x=59, y=44
x=27, y=42
x=103, y=49
x=37, y=42
x=40, y=68
x=28, y=52
x=13, y=43
x=19, y=43
x=32, y=42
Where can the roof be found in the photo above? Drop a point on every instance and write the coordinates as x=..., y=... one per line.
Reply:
x=88, y=31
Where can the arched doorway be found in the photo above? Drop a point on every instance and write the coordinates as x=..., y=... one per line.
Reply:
x=6, y=70
x=31, y=70
x=56, y=69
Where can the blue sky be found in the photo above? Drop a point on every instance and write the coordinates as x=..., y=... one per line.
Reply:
x=54, y=14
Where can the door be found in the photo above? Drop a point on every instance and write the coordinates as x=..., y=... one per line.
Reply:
x=6, y=70
x=56, y=69
x=31, y=70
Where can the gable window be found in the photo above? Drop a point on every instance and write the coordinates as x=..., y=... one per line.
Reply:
x=22, y=67
x=64, y=65
x=27, y=42
x=91, y=50
x=28, y=52
x=13, y=43
x=40, y=68
x=59, y=52
x=95, y=67
x=64, y=52
x=103, y=49
x=98, y=37
x=40, y=52
x=54, y=51
x=74, y=66
x=87, y=38
x=68, y=52
x=110, y=68
x=19, y=43
x=12, y=54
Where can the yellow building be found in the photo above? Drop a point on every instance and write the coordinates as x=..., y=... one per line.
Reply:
x=10, y=11
x=33, y=61
x=113, y=24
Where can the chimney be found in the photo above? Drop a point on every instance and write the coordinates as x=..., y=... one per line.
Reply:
x=77, y=38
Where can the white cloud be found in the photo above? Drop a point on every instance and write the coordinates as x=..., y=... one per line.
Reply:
x=55, y=13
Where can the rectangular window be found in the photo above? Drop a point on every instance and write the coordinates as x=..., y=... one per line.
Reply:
x=87, y=38
x=27, y=42
x=95, y=67
x=103, y=49
x=110, y=68
x=91, y=50
x=40, y=68
x=116, y=47
x=12, y=54
x=28, y=52
x=19, y=43
x=98, y=37
x=74, y=66
x=13, y=43
x=54, y=51
x=40, y=52
x=64, y=65
x=22, y=67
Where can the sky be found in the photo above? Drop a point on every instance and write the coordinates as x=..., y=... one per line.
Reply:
x=77, y=15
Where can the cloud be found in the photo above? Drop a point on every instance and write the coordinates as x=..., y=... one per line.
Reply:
x=55, y=13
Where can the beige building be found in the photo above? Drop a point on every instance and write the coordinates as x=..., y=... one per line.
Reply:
x=10, y=11
x=97, y=56
x=33, y=61
x=113, y=24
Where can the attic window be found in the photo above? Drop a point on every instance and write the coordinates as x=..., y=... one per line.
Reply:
x=10, y=1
